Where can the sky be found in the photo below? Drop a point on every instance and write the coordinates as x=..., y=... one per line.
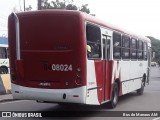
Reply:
x=138, y=16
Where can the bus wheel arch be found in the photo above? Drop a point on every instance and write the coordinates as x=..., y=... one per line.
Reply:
x=3, y=70
x=114, y=94
x=118, y=82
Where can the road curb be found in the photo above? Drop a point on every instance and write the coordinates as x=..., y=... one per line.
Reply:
x=6, y=100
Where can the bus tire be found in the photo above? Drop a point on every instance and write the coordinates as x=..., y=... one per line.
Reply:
x=3, y=70
x=115, y=95
x=141, y=90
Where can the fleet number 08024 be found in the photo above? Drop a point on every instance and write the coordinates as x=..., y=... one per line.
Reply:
x=61, y=67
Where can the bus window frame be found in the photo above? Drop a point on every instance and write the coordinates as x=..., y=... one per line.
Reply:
x=133, y=58
x=88, y=41
x=145, y=58
x=140, y=49
x=124, y=39
x=119, y=47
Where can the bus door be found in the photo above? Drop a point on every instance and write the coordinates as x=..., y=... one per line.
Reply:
x=106, y=41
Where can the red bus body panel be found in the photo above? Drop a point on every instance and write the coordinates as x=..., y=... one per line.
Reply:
x=47, y=38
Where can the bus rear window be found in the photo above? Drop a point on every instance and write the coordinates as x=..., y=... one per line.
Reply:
x=93, y=35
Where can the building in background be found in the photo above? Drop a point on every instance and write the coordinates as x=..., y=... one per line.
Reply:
x=4, y=60
x=4, y=40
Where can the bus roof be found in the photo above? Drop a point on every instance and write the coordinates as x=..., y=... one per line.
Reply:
x=95, y=20
x=89, y=18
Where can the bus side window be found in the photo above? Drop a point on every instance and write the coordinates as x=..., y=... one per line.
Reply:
x=133, y=48
x=126, y=47
x=116, y=45
x=93, y=35
x=145, y=51
x=140, y=50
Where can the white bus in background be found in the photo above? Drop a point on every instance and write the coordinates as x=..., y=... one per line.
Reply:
x=4, y=60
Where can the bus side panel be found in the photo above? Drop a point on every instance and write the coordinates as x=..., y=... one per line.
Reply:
x=129, y=74
x=99, y=69
x=98, y=81
x=92, y=94
x=103, y=78
x=109, y=65
x=116, y=75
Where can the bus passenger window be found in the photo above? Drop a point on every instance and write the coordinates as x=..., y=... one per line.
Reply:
x=133, y=48
x=140, y=50
x=93, y=35
x=116, y=45
x=126, y=47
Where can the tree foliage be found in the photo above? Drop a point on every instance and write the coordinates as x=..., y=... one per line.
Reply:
x=63, y=4
x=155, y=47
x=29, y=8
x=84, y=8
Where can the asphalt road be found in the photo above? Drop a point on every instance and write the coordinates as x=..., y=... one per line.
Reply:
x=149, y=101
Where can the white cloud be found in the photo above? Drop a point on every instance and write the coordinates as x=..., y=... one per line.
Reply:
x=139, y=16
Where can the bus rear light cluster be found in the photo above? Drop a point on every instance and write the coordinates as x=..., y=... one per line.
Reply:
x=78, y=76
x=78, y=69
x=78, y=81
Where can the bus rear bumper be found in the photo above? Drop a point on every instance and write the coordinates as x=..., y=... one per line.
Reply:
x=74, y=95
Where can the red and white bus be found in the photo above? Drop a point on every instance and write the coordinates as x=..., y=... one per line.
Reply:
x=71, y=57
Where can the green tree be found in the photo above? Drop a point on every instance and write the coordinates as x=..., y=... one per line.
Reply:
x=155, y=47
x=84, y=8
x=29, y=8
x=62, y=4
x=71, y=7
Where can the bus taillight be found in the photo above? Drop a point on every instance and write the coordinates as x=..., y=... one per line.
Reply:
x=78, y=76
x=78, y=81
x=78, y=70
